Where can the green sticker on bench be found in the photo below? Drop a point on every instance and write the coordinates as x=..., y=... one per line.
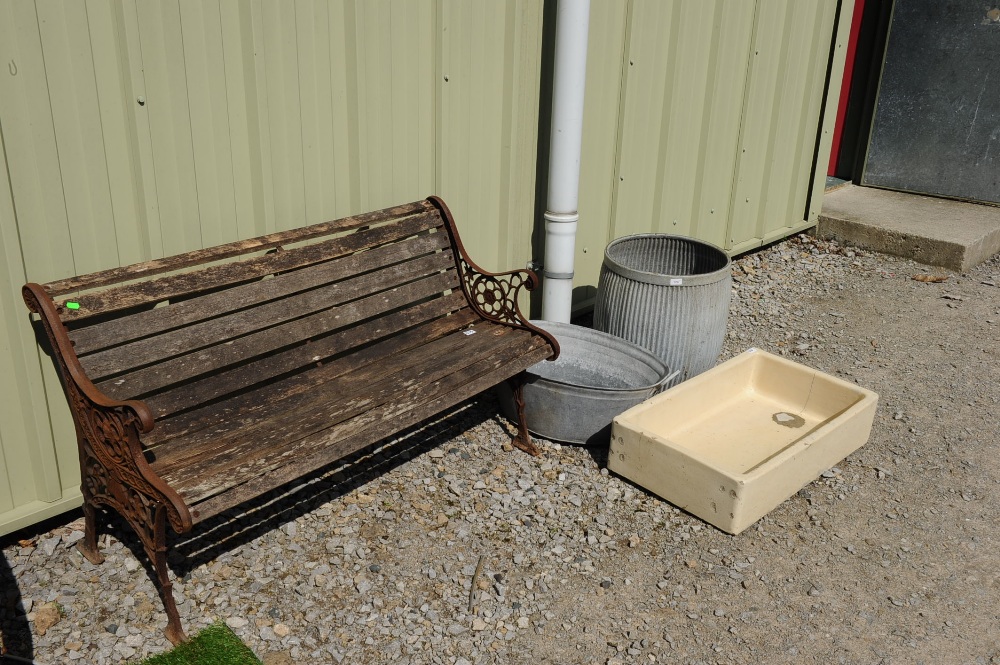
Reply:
x=72, y=305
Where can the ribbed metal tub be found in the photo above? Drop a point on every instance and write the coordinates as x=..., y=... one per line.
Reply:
x=669, y=294
x=597, y=376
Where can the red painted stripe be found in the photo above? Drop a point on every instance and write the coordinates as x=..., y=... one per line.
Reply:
x=845, y=90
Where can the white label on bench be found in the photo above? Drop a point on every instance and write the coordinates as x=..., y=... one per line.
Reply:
x=468, y=332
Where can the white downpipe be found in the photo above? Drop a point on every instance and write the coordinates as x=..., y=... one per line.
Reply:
x=562, y=211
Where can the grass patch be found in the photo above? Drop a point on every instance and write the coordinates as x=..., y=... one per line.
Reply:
x=215, y=645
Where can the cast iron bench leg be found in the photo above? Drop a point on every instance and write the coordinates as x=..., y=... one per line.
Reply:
x=155, y=545
x=158, y=555
x=147, y=517
x=88, y=545
x=523, y=439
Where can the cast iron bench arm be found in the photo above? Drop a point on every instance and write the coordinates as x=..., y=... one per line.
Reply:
x=108, y=429
x=494, y=295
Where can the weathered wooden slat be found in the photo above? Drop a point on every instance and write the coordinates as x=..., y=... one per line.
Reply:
x=216, y=276
x=232, y=326
x=324, y=448
x=229, y=250
x=188, y=366
x=259, y=426
x=263, y=373
x=127, y=328
x=237, y=463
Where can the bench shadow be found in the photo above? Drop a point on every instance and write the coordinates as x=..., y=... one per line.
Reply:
x=15, y=633
x=232, y=529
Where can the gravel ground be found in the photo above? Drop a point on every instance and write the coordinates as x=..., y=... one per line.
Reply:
x=890, y=557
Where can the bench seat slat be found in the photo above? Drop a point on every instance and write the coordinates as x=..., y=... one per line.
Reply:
x=297, y=406
x=323, y=448
x=124, y=329
x=276, y=449
x=262, y=375
x=235, y=325
x=229, y=250
x=344, y=393
x=186, y=284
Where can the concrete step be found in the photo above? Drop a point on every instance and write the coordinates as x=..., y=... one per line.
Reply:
x=936, y=232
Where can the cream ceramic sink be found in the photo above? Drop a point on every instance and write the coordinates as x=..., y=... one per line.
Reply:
x=731, y=444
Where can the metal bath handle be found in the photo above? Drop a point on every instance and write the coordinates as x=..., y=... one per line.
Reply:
x=664, y=381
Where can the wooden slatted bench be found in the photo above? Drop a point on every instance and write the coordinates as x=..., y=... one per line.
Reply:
x=200, y=381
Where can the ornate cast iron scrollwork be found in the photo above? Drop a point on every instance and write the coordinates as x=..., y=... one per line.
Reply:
x=496, y=295
x=108, y=438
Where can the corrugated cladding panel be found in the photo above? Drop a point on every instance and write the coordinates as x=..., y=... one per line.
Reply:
x=682, y=112
x=28, y=465
x=262, y=115
x=601, y=126
x=396, y=77
x=307, y=111
x=488, y=127
x=787, y=74
x=41, y=220
x=720, y=109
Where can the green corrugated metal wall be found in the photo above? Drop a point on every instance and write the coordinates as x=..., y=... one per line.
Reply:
x=702, y=118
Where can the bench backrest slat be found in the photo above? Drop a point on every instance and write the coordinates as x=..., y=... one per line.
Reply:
x=242, y=349
x=229, y=250
x=188, y=284
x=124, y=329
x=210, y=342
x=271, y=311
